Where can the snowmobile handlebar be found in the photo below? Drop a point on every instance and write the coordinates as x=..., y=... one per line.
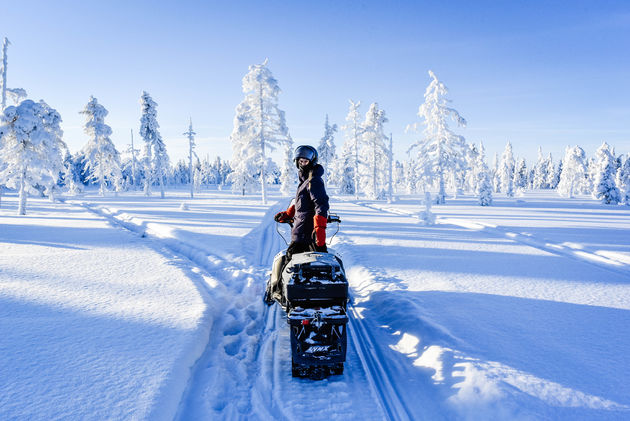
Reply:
x=333, y=218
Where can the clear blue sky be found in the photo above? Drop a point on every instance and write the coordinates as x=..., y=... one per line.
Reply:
x=536, y=73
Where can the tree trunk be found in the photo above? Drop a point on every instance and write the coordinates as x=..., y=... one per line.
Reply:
x=22, y=201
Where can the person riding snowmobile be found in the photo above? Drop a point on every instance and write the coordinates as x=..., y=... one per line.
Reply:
x=309, y=212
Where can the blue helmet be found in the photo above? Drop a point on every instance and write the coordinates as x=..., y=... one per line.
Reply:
x=306, y=152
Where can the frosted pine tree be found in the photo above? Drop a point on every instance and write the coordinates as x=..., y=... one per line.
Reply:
x=354, y=131
x=102, y=160
x=624, y=181
x=604, y=188
x=520, y=176
x=326, y=149
x=374, y=152
x=390, y=170
x=440, y=151
x=471, y=158
x=573, y=171
x=190, y=134
x=156, y=162
x=31, y=148
x=550, y=179
x=540, y=171
x=495, y=178
x=506, y=171
x=288, y=174
x=342, y=174
x=259, y=126
x=483, y=185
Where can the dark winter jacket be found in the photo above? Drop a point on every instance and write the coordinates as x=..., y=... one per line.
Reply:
x=310, y=199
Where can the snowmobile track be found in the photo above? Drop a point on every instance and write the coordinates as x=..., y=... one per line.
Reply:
x=371, y=358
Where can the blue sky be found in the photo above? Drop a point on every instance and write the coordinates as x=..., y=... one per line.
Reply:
x=545, y=73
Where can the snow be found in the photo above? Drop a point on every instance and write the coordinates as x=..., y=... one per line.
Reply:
x=134, y=307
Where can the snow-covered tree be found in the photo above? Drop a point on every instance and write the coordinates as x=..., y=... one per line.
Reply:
x=540, y=171
x=31, y=148
x=604, y=188
x=471, y=158
x=354, y=131
x=550, y=180
x=156, y=161
x=483, y=185
x=190, y=134
x=288, y=174
x=573, y=171
x=133, y=162
x=390, y=169
x=624, y=180
x=326, y=149
x=506, y=171
x=495, y=178
x=342, y=171
x=102, y=160
x=259, y=126
x=440, y=151
x=374, y=153
x=520, y=176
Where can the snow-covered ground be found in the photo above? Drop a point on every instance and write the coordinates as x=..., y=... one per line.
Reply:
x=145, y=308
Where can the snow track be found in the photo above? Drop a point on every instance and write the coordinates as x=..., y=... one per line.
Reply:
x=372, y=361
x=245, y=370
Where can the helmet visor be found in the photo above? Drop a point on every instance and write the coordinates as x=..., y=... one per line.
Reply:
x=304, y=152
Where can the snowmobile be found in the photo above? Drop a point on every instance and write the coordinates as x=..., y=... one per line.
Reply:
x=313, y=290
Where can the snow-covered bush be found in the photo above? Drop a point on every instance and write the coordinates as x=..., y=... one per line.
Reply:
x=426, y=217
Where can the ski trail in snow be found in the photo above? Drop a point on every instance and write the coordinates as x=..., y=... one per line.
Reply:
x=370, y=356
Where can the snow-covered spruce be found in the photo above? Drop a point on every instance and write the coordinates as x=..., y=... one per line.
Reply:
x=102, y=160
x=31, y=148
x=326, y=150
x=288, y=175
x=604, y=188
x=259, y=125
x=506, y=171
x=156, y=161
x=483, y=185
x=190, y=135
x=573, y=173
x=624, y=180
x=520, y=176
x=353, y=130
x=440, y=151
x=375, y=153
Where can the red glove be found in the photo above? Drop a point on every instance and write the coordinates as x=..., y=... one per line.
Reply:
x=320, y=230
x=285, y=216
